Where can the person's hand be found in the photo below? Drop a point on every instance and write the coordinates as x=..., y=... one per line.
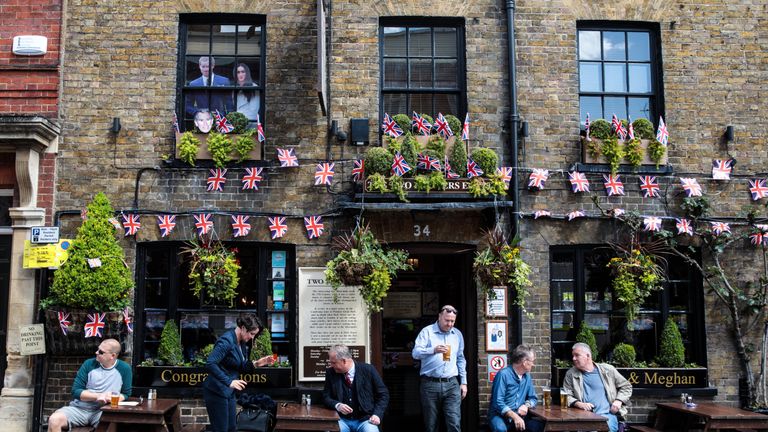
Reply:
x=615, y=406
x=264, y=361
x=518, y=421
x=441, y=349
x=344, y=408
x=374, y=419
x=238, y=384
x=586, y=406
x=523, y=410
x=104, y=398
x=463, y=390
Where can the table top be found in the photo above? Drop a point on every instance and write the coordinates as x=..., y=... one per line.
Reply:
x=556, y=414
x=155, y=406
x=711, y=410
x=294, y=411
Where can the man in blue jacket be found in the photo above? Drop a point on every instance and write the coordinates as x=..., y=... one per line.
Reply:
x=513, y=394
x=355, y=390
x=96, y=379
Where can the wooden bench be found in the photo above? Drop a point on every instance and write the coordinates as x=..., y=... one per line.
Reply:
x=193, y=427
x=82, y=429
x=641, y=428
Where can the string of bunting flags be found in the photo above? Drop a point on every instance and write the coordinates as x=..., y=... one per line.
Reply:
x=94, y=324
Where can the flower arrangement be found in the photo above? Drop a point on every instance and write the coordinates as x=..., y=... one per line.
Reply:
x=636, y=275
x=500, y=264
x=213, y=271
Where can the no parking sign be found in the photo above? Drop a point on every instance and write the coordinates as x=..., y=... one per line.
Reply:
x=496, y=362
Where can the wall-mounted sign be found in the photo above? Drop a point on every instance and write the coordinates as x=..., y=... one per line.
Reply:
x=45, y=255
x=32, y=339
x=496, y=362
x=44, y=234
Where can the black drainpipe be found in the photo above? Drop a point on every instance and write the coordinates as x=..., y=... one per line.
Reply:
x=514, y=120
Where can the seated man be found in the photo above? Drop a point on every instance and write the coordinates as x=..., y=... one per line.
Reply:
x=96, y=379
x=512, y=395
x=355, y=390
x=596, y=387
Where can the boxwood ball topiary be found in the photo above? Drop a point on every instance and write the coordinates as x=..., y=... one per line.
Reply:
x=600, y=129
x=455, y=124
x=624, y=355
x=403, y=120
x=486, y=159
x=239, y=121
x=643, y=128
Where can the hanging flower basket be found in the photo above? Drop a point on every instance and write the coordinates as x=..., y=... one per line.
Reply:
x=213, y=272
x=500, y=264
x=75, y=342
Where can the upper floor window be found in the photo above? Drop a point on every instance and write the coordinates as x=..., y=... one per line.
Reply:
x=221, y=67
x=619, y=72
x=422, y=66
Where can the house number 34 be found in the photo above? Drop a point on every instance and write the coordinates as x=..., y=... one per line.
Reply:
x=419, y=230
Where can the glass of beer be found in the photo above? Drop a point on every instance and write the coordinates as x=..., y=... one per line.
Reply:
x=114, y=400
x=547, y=397
x=447, y=354
x=563, y=399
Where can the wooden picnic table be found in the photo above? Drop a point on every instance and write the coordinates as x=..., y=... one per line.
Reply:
x=293, y=416
x=571, y=419
x=157, y=415
x=678, y=416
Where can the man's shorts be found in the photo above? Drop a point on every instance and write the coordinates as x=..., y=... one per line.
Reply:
x=80, y=416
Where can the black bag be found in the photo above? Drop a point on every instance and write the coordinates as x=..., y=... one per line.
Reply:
x=255, y=420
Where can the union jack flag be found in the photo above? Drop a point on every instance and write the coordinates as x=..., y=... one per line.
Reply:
x=422, y=126
x=759, y=237
x=631, y=129
x=314, y=226
x=505, y=174
x=64, y=322
x=719, y=228
x=399, y=165
x=175, y=123
x=128, y=320
x=662, y=135
x=537, y=178
x=287, y=157
x=84, y=214
x=758, y=189
x=586, y=127
x=618, y=127
x=652, y=223
x=613, y=184
x=390, y=127
x=131, y=224
x=449, y=174
x=358, y=170
x=465, y=128
x=721, y=169
x=222, y=124
x=217, y=179
x=617, y=212
x=541, y=213
x=473, y=170
x=649, y=186
x=95, y=324
x=442, y=126
x=166, y=223
x=579, y=182
x=252, y=178
x=575, y=214
x=684, y=226
x=691, y=186
x=277, y=226
x=115, y=223
x=260, y=130
x=427, y=162
x=203, y=223
x=324, y=173
x=240, y=225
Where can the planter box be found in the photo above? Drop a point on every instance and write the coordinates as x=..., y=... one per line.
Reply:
x=186, y=377
x=587, y=158
x=660, y=378
x=75, y=342
x=204, y=154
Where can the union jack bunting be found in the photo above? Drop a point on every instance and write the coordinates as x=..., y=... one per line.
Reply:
x=649, y=186
x=64, y=322
x=579, y=182
x=240, y=225
x=505, y=174
x=618, y=127
x=277, y=226
x=427, y=162
x=691, y=186
x=217, y=179
x=287, y=157
x=586, y=127
x=84, y=214
x=575, y=214
x=537, y=178
x=617, y=212
x=260, y=130
x=203, y=223
x=662, y=135
x=131, y=224
x=390, y=127
x=222, y=124
x=465, y=128
x=473, y=170
x=95, y=325
x=115, y=223
x=128, y=320
x=760, y=236
x=175, y=123
x=541, y=213
x=422, y=126
x=399, y=165
x=358, y=170
x=721, y=169
x=442, y=126
x=324, y=173
x=252, y=178
x=631, y=129
x=652, y=223
x=314, y=226
x=684, y=226
x=758, y=189
x=166, y=223
x=719, y=228
x=613, y=184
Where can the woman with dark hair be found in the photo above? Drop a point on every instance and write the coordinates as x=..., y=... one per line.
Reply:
x=228, y=359
x=246, y=100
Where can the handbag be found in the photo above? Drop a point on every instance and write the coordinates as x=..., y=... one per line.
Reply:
x=255, y=420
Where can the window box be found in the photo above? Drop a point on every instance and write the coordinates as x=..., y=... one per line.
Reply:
x=654, y=378
x=204, y=154
x=193, y=376
x=587, y=158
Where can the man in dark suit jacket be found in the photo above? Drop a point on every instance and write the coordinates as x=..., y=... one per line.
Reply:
x=355, y=390
x=198, y=100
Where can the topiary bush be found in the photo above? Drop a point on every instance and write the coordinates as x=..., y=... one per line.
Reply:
x=436, y=145
x=239, y=121
x=170, y=350
x=671, y=349
x=378, y=160
x=188, y=147
x=219, y=146
x=643, y=128
x=458, y=158
x=410, y=150
x=624, y=355
x=486, y=159
x=455, y=124
x=404, y=121
x=262, y=345
x=600, y=129
x=586, y=336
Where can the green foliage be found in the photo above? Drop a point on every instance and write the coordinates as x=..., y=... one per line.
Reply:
x=219, y=146
x=643, y=129
x=170, y=350
x=500, y=264
x=593, y=148
x=239, y=121
x=624, y=355
x=201, y=358
x=586, y=336
x=377, y=161
x=421, y=183
x=262, y=345
x=213, y=271
x=633, y=153
x=455, y=124
x=613, y=153
x=427, y=182
x=458, y=158
x=395, y=185
x=377, y=183
x=403, y=120
x=245, y=144
x=188, y=147
x=636, y=275
x=486, y=159
x=671, y=349
x=436, y=145
x=493, y=185
x=410, y=151
x=393, y=145
x=656, y=151
x=600, y=129
x=103, y=288
x=696, y=207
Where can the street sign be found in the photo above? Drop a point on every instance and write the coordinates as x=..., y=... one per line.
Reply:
x=496, y=362
x=44, y=234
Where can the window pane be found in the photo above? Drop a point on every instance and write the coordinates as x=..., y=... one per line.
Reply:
x=615, y=105
x=422, y=104
x=615, y=77
x=395, y=103
x=249, y=40
x=613, y=46
x=640, y=108
x=591, y=105
x=6, y=202
x=421, y=73
x=589, y=45
x=445, y=42
x=395, y=73
x=446, y=104
x=420, y=42
x=394, y=41
x=446, y=74
x=640, y=78
x=197, y=39
x=639, y=46
x=224, y=66
x=224, y=39
x=590, y=78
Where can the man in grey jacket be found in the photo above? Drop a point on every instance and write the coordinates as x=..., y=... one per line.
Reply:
x=596, y=387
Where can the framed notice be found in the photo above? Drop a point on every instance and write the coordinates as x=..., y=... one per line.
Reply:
x=497, y=307
x=496, y=336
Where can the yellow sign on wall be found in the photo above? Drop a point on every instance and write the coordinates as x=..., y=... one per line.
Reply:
x=46, y=255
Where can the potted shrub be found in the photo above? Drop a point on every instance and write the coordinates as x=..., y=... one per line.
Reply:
x=221, y=148
x=586, y=336
x=213, y=272
x=624, y=355
x=605, y=147
x=170, y=352
x=671, y=350
x=500, y=264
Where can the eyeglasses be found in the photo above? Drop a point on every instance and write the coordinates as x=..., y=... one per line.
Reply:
x=101, y=352
x=449, y=310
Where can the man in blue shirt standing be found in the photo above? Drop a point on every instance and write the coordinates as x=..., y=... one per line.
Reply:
x=513, y=395
x=440, y=348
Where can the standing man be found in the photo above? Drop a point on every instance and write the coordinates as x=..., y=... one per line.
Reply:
x=94, y=384
x=440, y=348
x=513, y=395
x=219, y=100
x=355, y=390
x=596, y=387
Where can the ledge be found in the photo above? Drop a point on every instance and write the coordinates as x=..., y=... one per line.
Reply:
x=28, y=131
x=623, y=169
x=401, y=206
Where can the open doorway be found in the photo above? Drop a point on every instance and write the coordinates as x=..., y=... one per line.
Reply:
x=5, y=277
